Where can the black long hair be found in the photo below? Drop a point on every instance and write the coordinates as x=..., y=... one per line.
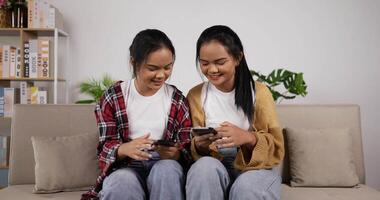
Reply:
x=243, y=80
x=146, y=42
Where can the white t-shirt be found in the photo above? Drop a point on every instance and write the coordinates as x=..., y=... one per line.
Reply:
x=220, y=106
x=147, y=114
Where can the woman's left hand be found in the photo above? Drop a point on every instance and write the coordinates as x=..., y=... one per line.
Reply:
x=168, y=152
x=230, y=135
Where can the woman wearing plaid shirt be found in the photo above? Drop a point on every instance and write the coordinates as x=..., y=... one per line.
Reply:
x=131, y=116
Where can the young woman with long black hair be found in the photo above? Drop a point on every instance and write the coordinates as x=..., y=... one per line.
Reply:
x=132, y=115
x=239, y=161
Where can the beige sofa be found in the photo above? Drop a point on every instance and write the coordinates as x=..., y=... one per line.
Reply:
x=48, y=120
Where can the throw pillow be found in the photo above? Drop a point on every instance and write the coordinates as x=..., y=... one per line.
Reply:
x=65, y=163
x=321, y=158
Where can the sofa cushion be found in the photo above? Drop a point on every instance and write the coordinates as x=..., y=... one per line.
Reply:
x=361, y=192
x=65, y=163
x=18, y=192
x=321, y=157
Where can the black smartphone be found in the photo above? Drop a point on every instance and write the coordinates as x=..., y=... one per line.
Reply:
x=198, y=131
x=166, y=143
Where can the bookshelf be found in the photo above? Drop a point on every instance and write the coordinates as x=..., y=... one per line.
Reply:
x=59, y=40
x=55, y=83
x=46, y=51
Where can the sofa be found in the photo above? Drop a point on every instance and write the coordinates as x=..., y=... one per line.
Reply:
x=66, y=120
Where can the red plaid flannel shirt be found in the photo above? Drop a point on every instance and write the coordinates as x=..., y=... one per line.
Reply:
x=112, y=120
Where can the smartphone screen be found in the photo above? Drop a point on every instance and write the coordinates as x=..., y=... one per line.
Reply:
x=164, y=143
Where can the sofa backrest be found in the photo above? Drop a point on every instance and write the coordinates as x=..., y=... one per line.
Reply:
x=43, y=120
x=62, y=120
x=324, y=116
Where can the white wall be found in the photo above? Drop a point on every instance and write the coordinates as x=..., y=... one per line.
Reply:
x=335, y=43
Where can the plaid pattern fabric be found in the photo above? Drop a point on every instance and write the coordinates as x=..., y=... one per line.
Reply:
x=112, y=120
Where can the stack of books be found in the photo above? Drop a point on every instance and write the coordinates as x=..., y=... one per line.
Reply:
x=36, y=60
x=41, y=14
x=26, y=94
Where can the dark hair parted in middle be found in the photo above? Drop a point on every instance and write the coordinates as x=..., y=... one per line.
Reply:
x=243, y=80
x=146, y=42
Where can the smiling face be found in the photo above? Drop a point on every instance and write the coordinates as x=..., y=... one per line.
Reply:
x=154, y=71
x=218, y=65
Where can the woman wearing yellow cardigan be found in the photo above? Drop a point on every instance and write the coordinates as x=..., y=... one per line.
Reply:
x=239, y=161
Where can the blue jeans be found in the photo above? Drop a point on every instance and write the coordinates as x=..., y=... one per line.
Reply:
x=155, y=178
x=209, y=178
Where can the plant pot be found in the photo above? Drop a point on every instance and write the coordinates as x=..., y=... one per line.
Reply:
x=5, y=18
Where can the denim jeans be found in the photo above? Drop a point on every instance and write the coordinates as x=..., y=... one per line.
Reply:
x=209, y=178
x=155, y=178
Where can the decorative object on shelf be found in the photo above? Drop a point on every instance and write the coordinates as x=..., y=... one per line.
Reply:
x=19, y=12
x=95, y=88
x=292, y=82
x=5, y=15
x=13, y=14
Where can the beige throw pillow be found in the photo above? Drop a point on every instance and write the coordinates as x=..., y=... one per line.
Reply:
x=67, y=163
x=321, y=158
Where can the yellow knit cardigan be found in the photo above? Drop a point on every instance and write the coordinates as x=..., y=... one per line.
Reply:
x=269, y=149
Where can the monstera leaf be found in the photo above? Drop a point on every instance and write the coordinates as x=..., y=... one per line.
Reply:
x=292, y=82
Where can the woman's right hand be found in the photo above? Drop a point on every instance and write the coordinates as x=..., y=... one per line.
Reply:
x=135, y=148
x=202, y=143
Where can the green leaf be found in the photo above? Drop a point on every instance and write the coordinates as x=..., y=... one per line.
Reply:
x=88, y=101
x=95, y=88
x=293, y=83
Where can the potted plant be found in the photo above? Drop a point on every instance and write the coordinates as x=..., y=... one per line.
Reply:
x=5, y=15
x=292, y=82
x=95, y=88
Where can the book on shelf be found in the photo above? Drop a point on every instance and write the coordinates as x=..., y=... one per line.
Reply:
x=33, y=55
x=55, y=19
x=41, y=14
x=1, y=61
x=42, y=97
x=4, y=150
x=6, y=57
x=12, y=62
x=18, y=63
x=34, y=95
x=43, y=58
x=1, y=102
x=26, y=59
x=30, y=94
x=24, y=97
x=11, y=96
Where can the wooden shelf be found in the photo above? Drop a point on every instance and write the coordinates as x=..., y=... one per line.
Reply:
x=31, y=79
x=40, y=31
x=4, y=167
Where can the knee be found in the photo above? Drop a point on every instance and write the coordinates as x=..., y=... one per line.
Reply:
x=120, y=177
x=242, y=185
x=167, y=166
x=207, y=166
x=256, y=183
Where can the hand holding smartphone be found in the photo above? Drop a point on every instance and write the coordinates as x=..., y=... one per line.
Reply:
x=198, y=131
